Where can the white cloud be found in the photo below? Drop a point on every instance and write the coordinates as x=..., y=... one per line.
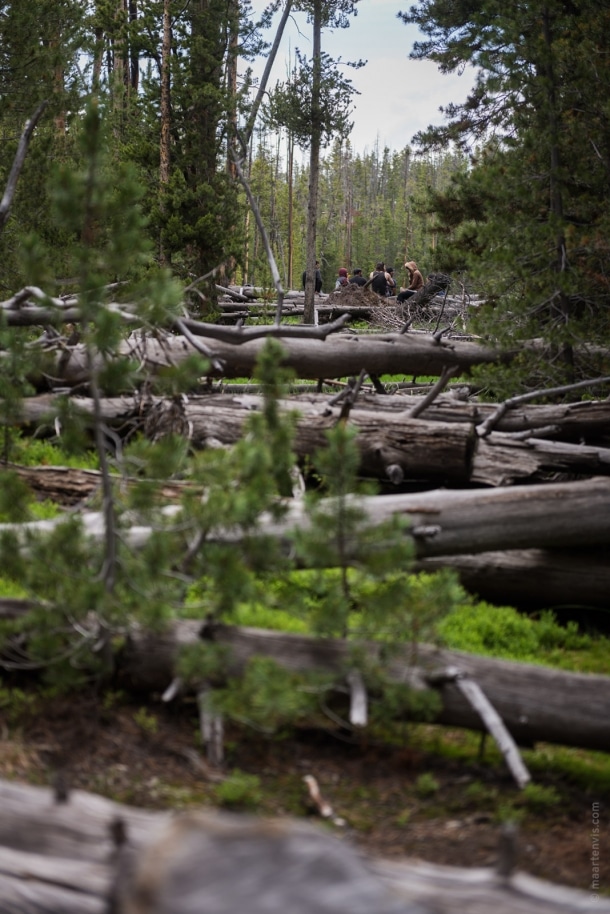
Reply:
x=398, y=96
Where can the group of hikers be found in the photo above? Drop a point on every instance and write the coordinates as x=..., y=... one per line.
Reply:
x=381, y=280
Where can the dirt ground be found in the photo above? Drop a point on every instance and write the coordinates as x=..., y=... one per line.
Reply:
x=395, y=801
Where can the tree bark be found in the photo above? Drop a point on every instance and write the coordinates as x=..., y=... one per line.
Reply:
x=571, y=581
x=535, y=703
x=393, y=447
x=586, y=420
x=442, y=522
x=314, y=163
x=335, y=357
x=60, y=859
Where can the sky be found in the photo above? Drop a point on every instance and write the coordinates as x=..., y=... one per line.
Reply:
x=398, y=96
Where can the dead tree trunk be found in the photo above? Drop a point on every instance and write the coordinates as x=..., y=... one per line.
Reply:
x=535, y=703
x=571, y=580
x=335, y=357
x=62, y=859
x=393, y=446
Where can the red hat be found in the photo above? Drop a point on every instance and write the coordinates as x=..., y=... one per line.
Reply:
x=342, y=271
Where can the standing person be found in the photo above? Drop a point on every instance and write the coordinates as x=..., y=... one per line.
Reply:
x=357, y=279
x=379, y=280
x=341, y=279
x=416, y=282
x=318, y=280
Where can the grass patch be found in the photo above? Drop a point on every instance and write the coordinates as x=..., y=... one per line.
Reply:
x=503, y=632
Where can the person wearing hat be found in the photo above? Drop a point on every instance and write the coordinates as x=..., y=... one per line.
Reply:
x=341, y=278
x=416, y=282
x=357, y=279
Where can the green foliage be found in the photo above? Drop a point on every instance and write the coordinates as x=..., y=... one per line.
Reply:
x=239, y=791
x=204, y=661
x=292, y=105
x=15, y=703
x=501, y=631
x=538, y=798
x=528, y=219
x=269, y=697
x=146, y=721
x=402, y=702
x=426, y=785
x=68, y=451
x=14, y=497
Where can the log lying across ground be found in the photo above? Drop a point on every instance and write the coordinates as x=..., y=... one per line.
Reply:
x=536, y=704
x=441, y=522
x=526, y=524
x=340, y=355
x=60, y=858
x=393, y=446
x=571, y=582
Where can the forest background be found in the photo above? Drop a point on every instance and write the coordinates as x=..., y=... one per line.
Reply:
x=131, y=192
x=510, y=193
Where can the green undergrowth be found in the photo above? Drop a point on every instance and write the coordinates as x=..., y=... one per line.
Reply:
x=582, y=769
x=35, y=452
x=473, y=627
x=503, y=632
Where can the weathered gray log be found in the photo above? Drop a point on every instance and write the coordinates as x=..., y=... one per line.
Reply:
x=338, y=356
x=572, y=421
x=441, y=521
x=573, y=579
x=535, y=703
x=500, y=460
x=221, y=863
x=423, y=448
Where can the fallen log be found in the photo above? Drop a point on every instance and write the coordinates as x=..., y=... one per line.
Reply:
x=572, y=580
x=441, y=522
x=535, y=703
x=61, y=859
x=338, y=356
x=393, y=446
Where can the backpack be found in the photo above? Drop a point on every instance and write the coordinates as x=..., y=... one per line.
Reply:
x=379, y=283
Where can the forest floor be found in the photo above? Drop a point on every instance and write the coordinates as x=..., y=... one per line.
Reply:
x=431, y=798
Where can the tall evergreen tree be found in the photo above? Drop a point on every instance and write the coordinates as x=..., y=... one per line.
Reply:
x=530, y=220
x=314, y=105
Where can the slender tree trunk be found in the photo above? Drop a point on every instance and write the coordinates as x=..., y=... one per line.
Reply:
x=164, y=151
x=290, y=211
x=134, y=59
x=314, y=164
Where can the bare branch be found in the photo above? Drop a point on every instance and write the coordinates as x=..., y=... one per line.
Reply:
x=490, y=423
x=11, y=184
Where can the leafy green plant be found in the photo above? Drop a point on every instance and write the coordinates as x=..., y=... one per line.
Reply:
x=502, y=631
x=426, y=785
x=239, y=791
x=146, y=721
x=15, y=702
x=538, y=798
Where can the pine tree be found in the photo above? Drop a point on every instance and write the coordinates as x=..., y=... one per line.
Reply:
x=529, y=220
x=314, y=106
